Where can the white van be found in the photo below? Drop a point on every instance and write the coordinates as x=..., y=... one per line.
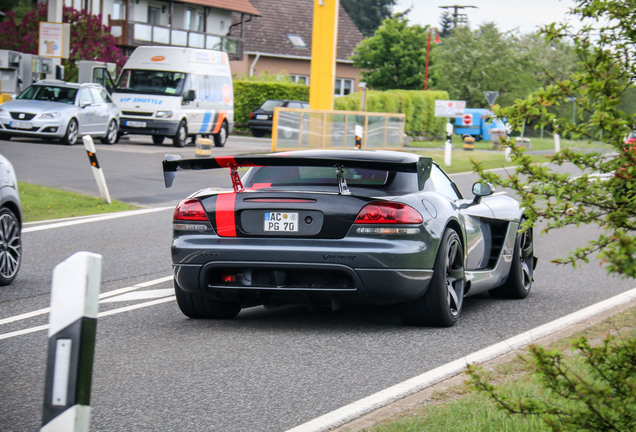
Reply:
x=177, y=93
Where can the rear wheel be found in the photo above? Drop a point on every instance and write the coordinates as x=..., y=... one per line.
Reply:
x=258, y=133
x=111, y=133
x=72, y=132
x=520, y=278
x=157, y=139
x=443, y=301
x=198, y=306
x=180, y=138
x=10, y=246
x=221, y=137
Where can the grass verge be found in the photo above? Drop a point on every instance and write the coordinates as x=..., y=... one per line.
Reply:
x=460, y=409
x=535, y=144
x=461, y=160
x=44, y=203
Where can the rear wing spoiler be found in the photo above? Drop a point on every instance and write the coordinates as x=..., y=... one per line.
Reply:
x=174, y=163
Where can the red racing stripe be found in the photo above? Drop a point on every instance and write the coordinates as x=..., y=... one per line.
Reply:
x=225, y=221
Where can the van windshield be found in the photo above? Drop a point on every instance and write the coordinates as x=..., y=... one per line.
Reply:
x=151, y=82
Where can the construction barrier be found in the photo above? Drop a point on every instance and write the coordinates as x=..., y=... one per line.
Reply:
x=295, y=128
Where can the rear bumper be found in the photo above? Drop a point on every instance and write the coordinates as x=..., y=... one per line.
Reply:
x=349, y=271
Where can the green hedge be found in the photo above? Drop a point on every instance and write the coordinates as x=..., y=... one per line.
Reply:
x=249, y=95
x=417, y=105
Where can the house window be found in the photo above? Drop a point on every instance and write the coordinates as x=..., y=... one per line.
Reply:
x=200, y=22
x=296, y=40
x=153, y=15
x=119, y=10
x=343, y=86
x=299, y=79
x=189, y=19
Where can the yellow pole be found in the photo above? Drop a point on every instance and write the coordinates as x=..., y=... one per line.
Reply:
x=323, y=54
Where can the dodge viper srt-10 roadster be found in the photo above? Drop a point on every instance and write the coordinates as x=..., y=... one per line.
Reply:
x=331, y=227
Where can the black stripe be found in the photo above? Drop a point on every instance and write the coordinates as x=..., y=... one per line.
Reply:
x=92, y=157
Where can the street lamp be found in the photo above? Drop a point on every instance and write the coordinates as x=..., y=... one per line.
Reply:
x=428, y=50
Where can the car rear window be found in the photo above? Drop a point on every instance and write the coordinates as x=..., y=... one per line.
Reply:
x=278, y=176
x=269, y=105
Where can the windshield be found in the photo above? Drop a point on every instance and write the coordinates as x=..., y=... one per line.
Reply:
x=49, y=93
x=269, y=105
x=151, y=82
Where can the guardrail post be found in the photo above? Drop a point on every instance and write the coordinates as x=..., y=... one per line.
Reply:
x=89, y=145
x=71, y=347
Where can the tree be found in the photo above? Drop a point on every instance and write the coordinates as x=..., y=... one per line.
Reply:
x=19, y=7
x=603, y=192
x=468, y=62
x=395, y=57
x=90, y=40
x=595, y=394
x=445, y=24
x=368, y=14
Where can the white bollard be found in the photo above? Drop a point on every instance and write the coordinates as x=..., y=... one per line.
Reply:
x=89, y=145
x=557, y=143
x=71, y=348
x=508, y=153
x=448, y=147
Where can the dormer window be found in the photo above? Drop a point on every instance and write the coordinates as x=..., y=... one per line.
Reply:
x=296, y=40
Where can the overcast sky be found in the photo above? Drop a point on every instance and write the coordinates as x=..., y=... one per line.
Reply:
x=524, y=15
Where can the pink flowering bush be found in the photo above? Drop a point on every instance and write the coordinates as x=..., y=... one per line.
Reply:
x=90, y=39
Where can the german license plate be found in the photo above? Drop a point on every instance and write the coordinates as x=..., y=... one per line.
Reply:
x=280, y=222
x=135, y=123
x=21, y=125
x=261, y=116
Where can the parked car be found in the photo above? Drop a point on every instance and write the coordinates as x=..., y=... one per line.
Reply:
x=60, y=110
x=330, y=227
x=10, y=223
x=631, y=138
x=261, y=119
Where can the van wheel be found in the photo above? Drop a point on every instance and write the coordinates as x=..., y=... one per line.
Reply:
x=221, y=137
x=157, y=139
x=179, y=140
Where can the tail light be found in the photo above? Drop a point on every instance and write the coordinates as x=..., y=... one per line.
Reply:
x=251, y=115
x=385, y=212
x=190, y=210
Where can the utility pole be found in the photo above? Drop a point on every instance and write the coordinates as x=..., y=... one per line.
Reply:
x=457, y=17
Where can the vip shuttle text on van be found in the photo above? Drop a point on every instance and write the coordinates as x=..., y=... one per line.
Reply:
x=176, y=93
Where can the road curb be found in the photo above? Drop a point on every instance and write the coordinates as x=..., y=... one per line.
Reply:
x=567, y=324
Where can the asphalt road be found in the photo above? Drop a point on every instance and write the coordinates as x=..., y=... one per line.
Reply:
x=268, y=370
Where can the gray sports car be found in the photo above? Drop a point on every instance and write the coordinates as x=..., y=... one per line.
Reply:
x=328, y=227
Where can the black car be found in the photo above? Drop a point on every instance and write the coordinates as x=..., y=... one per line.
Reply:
x=330, y=227
x=260, y=121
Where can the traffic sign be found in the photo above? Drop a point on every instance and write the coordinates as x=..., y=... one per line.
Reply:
x=491, y=97
x=448, y=108
x=467, y=119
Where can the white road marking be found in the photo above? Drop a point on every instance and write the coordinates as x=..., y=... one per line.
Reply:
x=101, y=296
x=363, y=406
x=141, y=295
x=40, y=226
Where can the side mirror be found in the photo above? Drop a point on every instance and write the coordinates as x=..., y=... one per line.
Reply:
x=482, y=189
x=190, y=96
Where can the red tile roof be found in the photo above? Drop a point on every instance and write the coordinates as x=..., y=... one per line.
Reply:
x=244, y=6
x=267, y=34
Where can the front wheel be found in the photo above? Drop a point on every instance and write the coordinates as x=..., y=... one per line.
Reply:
x=111, y=133
x=198, y=306
x=442, y=303
x=180, y=138
x=221, y=137
x=72, y=132
x=10, y=246
x=521, y=276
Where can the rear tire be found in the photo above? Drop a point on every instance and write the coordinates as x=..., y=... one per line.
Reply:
x=198, y=306
x=521, y=276
x=10, y=246
x=442, y=303
x=221, y=137
x=180, y=138
x=259, y=133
